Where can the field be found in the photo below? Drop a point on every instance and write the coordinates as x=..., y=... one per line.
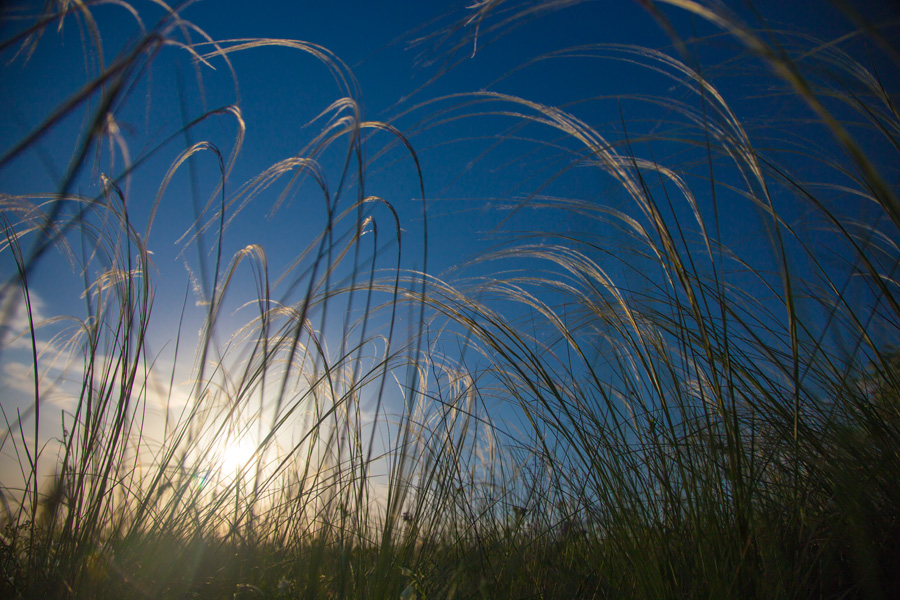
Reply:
x=669, y=367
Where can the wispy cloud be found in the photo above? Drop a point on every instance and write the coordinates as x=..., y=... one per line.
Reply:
x=14, y=321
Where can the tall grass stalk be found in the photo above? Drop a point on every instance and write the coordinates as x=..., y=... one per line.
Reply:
x=699, y=401
x=691, y=393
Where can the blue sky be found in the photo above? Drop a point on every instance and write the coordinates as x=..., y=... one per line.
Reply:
x=282, y=91
x=392, y=49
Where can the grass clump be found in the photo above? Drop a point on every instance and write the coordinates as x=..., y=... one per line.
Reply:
x=690, y=392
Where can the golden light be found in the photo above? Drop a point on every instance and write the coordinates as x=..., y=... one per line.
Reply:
x=236, y=456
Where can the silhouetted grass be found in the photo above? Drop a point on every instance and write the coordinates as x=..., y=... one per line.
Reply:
x=693, y=393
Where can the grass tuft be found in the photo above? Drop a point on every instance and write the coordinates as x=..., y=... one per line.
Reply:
x=688, y=389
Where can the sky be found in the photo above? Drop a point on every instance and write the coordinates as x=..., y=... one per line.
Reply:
x=410, y=66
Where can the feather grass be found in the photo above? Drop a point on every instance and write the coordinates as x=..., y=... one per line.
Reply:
x=648, y=406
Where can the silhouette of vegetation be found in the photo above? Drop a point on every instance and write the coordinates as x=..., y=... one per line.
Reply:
x=692, y=393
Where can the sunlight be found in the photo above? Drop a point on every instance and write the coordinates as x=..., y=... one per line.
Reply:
x=641, y=337
x=236, y=456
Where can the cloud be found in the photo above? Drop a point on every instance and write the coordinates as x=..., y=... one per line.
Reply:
x=18, y=376
x=14, y=322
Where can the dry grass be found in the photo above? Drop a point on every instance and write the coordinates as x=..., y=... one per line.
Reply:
x=704, y=408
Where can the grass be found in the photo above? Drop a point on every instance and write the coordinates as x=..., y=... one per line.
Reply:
x=692, y=394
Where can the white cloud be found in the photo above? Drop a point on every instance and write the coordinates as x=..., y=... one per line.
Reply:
x=18, y=376
x=14, y=320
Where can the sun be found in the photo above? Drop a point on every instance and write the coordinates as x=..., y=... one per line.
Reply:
x=236, y=456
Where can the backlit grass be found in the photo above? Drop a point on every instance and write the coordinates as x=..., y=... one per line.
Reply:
x=688, y=388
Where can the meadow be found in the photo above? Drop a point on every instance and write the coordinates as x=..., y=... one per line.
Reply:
x=674, y=371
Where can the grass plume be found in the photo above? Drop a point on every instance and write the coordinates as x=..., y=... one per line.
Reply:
x=690, y=392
